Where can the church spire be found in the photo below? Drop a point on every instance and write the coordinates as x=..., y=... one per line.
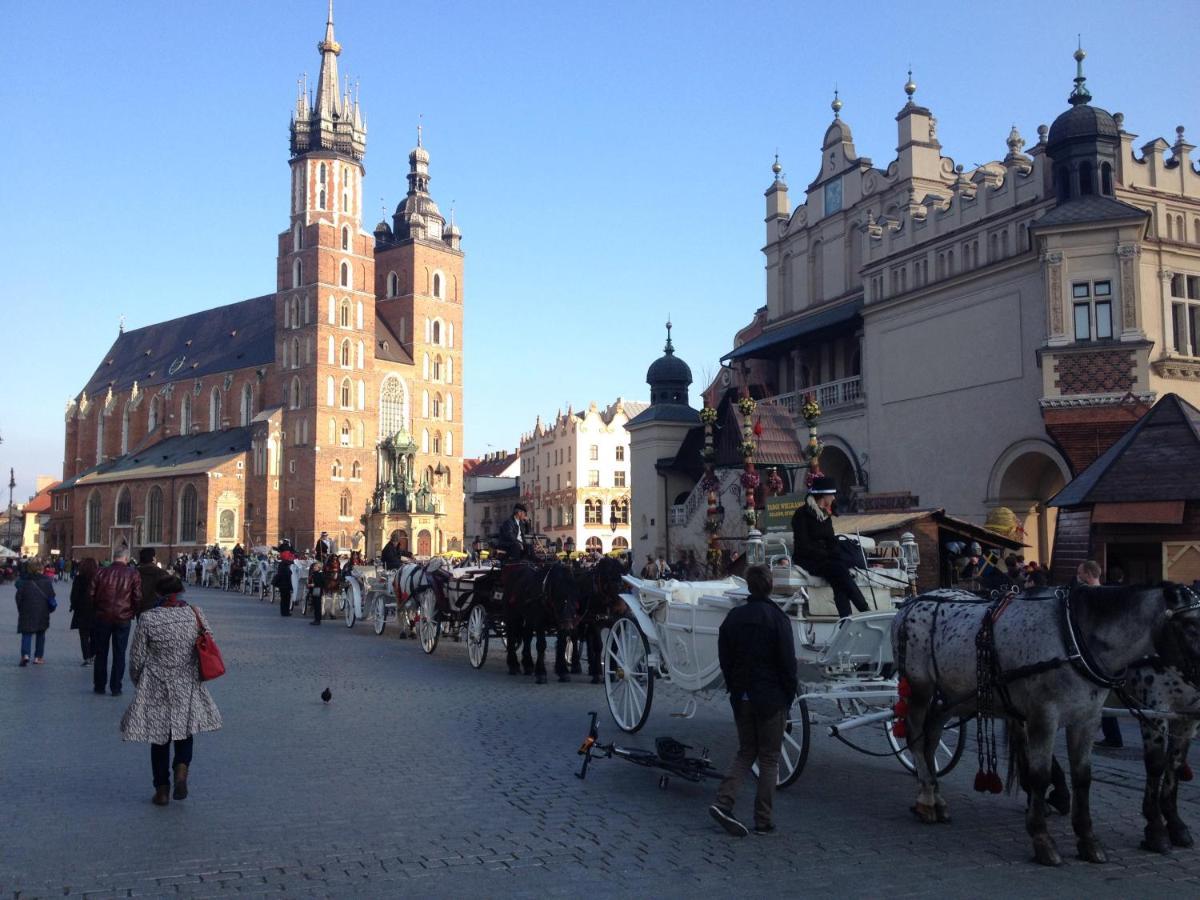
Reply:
x=328, y=105
x=334, y=120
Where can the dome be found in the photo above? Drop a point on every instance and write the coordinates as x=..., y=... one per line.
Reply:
x=668, y=368
x=1082, y=121
x=418, y=154
x=383, y=228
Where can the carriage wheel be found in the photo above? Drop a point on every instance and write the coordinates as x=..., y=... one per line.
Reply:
x=351, y=613
x=477, y=635
x=380, y=613
x=628, y=681
x=949, y=749
x=793, y=751
x=428, y=625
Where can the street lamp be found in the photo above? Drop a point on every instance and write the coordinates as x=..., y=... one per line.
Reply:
x=12, y=483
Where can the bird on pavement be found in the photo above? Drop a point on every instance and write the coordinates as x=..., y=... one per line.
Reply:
x=326, y=695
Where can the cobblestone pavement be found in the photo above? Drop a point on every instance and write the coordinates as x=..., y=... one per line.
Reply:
x=425, y=777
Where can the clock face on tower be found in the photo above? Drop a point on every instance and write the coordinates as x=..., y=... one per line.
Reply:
x=833, y=196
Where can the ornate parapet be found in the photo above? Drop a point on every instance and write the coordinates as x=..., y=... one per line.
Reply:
x=1175, y=367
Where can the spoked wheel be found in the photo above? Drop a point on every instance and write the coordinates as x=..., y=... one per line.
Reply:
x=628, y=681
x=351, y=613
x=380, y=613
x=793, y=751
x=949, y=749
x=477, y=635
x=428, y=626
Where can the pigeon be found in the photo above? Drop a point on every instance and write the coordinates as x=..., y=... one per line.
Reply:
x=326, y=695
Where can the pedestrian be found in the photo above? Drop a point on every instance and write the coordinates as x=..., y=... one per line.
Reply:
x=815, y=545
x=283, y=577
x=35, y=602
x=170, y=702
x=758, y=662
x=649, y=570
x=116, y=593
x=82, y=617
x=151, y=573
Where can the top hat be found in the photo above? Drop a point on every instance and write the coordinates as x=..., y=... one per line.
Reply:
x=823, y=484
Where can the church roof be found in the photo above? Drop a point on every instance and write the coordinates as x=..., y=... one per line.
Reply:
x=1155, y=460
x=230, y=337
x=387, y=341
x=176, y=455
x=1088, y=209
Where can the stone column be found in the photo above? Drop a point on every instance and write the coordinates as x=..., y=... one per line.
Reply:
x=1127, y=254
x=1052, y=265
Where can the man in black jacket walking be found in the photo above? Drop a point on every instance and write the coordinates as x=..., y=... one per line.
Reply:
x=758, y=660
x=815, y=545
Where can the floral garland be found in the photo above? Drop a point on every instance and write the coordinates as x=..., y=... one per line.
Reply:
x=711, y=485
x=748, y=446
x=811, y=411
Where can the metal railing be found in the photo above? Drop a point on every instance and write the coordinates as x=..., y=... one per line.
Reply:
x=831, y=395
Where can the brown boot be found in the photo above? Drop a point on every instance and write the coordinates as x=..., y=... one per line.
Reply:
x=162, y=796
x=181, y=781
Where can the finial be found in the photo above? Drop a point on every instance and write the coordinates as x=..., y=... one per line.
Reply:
x=836, y=105
x=776, y=167
x=669, y=348
x=121, y=325
x=329, y=19
x=420, y=116
x=1015, y=142
x=910, y=86
x=1080, y=93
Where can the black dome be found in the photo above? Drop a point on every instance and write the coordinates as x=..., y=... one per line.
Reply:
x=668, y=368
x=1080, y=122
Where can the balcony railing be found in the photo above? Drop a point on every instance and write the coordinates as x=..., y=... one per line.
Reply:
x=832, y=395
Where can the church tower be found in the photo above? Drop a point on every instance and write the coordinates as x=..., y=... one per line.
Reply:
x=324, y=310
x=419, y=272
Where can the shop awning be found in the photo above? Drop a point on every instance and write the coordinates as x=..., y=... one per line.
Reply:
x=771, y=343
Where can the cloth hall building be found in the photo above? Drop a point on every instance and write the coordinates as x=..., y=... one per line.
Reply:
x=332, y=404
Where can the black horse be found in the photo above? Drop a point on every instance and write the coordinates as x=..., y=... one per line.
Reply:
x=538, y=599
x=600, y=599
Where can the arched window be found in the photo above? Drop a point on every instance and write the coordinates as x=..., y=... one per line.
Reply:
x=356, y=471
x=347, y=397
x=437, y=368
x=1062, y=183
x=362, y=394
x=329, y=391
x=345, y=434
x=214, y=410
x=425, y=367
x=124, y=511
x=345, y=237
x=449, y=370
x=332, y=432
x=448, y=444
x=154, y=516
x=125, y=429
x=619, y=512
x=188, y=515
x=297, y=274
x=393, y=407
x=449, y=407
x=185, y=413
x=344, y=314
x=360, y=435
x=347, y=361
x=393, y=284
x=335, y=471
x=99, y=436
x=297, y=238
x=424, y=404
x=247, y=404
x=155, y=413
x=437, y=284
x=360, y=357
x=296, y=312
x=295, y=353
x=332, y=312
x=345, y=504
x=437, y=406
x=345, y=275
x=437, y=331
x=1087, y=184
x=437, y=443
x=92, y=522
x=450, y=334
x=424, y=440
x=358, y=315
x=296, y=393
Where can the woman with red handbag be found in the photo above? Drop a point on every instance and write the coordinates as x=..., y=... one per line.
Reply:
x=171, y=703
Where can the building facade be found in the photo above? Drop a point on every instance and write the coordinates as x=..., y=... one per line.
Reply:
x=977, y=336
x=491, y=486
x=575, y=477
x=333, y=404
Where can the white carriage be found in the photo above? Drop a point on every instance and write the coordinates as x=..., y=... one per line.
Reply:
x=669, y=635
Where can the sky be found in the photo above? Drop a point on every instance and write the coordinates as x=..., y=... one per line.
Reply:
x=606, y=162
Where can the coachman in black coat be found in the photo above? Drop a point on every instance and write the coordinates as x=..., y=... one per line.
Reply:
x=815, y=546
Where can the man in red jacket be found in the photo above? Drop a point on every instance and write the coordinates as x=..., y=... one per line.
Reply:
x=116, y=594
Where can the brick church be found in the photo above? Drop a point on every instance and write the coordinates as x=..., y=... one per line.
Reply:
x=333, y=404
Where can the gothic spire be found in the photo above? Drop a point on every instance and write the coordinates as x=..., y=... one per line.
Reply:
x=334, y=121
x=328, y=104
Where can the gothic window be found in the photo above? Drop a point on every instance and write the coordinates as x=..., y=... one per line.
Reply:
x=297, y=273
x=449, y=370
x=437, y=285
x=332, y=313
x=247, y=404
x=93, y=517
x=124, y=514
x=345, y=237
x=356, y=471
x=125, y=430
x=361, y=355
x=154, y=515
x=425, y=367
x=344, y=313
x=424, y=404
x=155, y=413
x=296, y=392
x=295, y=352
x=297, y=238
x=329, y=390
x=449, y=407
x=321, y=199
x=424, y=440
x=347, y=361
x=345, y=504
x=185, y=413
x=437, y=331
x=188, y=515
x=362, y=394
x=392, y=284
x=332, y=354
x=437, y=368
x=437, y=406
x=393, y=407
x=336, y=469
x=214, y=410
x=295, y=312
x=321, y=174
x=437, y=444
x=345, y=435
x=448, y=446
x=345, y=277
x=453, y=287
x=347, y=397
x=358, y=317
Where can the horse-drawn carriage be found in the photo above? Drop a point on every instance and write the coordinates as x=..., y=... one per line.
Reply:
x=848, y=682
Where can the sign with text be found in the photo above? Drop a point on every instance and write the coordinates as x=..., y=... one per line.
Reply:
x=778, y=515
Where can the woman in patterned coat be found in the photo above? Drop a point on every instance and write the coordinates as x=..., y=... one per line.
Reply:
x=170, y=703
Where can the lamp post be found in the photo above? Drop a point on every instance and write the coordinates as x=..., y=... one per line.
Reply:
x=12, y=483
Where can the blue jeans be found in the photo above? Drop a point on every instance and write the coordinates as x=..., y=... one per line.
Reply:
x=27, y=640
x=105, y=634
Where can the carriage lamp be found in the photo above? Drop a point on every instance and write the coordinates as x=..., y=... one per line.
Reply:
x=756, y=550
x=910, y=552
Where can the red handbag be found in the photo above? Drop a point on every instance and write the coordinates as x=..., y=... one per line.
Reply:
x=211, y=664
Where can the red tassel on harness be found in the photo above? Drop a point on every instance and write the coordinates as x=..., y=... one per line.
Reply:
x=904, y=689
x=900, y=709
x=994, y=784
x=900, y=728
x=981, y=781
x=1184, y=772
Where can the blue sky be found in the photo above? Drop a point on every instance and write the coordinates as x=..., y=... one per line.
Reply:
x=606, y=161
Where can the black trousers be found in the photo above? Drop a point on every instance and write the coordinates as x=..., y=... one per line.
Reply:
x=160, y=759
x=85, y=642
x=285, y=601
x=316, y=596
x=838, y=574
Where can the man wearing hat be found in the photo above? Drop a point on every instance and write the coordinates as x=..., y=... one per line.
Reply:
x=815, y=547
x=512, y=537
x=324, y=547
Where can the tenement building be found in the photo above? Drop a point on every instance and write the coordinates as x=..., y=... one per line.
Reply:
x=574, y=477
x=332, y=404
x=977, y=336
